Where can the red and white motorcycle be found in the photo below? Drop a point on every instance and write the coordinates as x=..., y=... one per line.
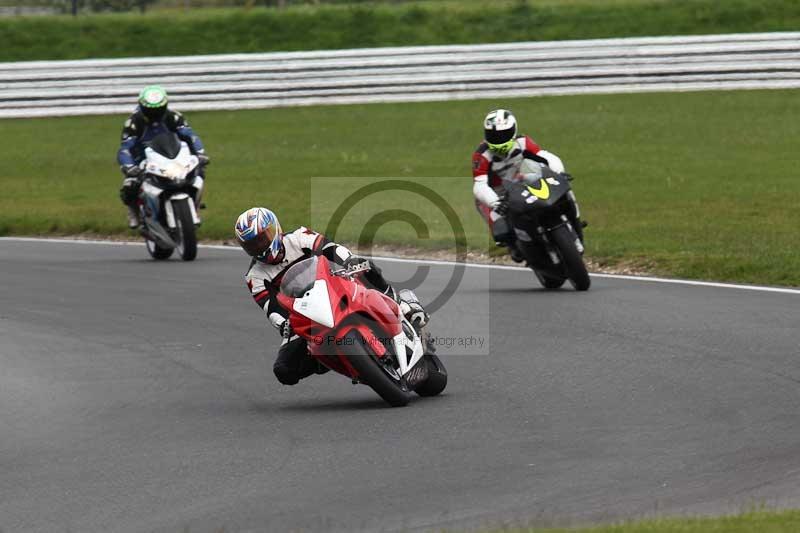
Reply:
x=359, y=332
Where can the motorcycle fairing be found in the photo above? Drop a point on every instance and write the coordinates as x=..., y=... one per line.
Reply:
x=544, y=192
x=151, y=203
x=151, y=195
x=316, y=304
x=408, y=348
x=176, y=168
x=342, y=305
x=533, y=217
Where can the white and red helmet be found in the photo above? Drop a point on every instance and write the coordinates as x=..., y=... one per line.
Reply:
x=259, y=233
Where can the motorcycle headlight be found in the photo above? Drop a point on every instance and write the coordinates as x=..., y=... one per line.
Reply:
x=174, y=171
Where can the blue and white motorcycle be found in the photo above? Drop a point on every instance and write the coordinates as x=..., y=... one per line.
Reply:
x=169, y=196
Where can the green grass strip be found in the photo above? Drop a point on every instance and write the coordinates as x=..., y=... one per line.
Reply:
x=695, y=185
x=750, y=522
x=212, y=31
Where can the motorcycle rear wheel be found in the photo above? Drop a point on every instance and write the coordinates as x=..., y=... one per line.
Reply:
x=437, y=377
x=549, y=282
x=157, y=252
x=564, y=239
x=371, y=372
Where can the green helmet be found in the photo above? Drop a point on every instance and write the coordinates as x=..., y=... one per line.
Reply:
x=153, y=102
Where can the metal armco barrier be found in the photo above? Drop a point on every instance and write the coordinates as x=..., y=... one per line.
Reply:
x=405, y=74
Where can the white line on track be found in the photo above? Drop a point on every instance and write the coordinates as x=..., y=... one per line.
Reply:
x=760, y=288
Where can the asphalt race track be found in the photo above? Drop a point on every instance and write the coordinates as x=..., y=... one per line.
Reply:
x=139, y=396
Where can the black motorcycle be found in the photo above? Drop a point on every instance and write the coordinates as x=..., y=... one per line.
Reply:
x=543, y=215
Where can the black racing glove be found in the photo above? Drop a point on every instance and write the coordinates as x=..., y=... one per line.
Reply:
x=203, y=159
x=501, y=207
x=132, y=171
x=353, y=260
x=373, y=276
x=286, y=330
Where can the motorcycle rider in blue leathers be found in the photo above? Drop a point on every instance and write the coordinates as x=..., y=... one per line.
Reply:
x=150, y=119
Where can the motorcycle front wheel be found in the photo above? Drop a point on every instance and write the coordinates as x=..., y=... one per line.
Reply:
x=386, y=382
x=564, y=240
x=186, y=237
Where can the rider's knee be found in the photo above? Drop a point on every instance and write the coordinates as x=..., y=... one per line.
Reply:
x=501, y=231
x=286, y=374
x=127, y=197
x=288, y=367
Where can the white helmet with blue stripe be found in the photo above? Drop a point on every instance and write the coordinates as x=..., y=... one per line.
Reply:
x=259, y=233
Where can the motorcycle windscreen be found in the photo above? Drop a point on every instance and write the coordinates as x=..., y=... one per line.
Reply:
x=531, y=170
x=300, y=278
x=166, y=144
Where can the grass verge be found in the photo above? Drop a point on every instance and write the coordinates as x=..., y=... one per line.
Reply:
x=751, y=522
x=695, y=185
x=211, y=31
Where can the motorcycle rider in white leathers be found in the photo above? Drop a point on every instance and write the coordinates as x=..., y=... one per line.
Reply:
x=273, y=252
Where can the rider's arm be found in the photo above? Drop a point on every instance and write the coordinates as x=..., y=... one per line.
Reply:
x=186, y=133
x=313, y=243
x=341, y=255
x=480, y=175
x=553, y=161
x=535, y=152
x=334, y=252
x=261, y=291
x=130, y=136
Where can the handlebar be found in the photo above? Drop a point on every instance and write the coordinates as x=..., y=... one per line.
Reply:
x=351, y=271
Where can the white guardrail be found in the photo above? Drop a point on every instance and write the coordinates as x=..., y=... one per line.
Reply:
x=405, y=74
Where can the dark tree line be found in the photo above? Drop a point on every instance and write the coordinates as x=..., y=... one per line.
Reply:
x=105, y=5
x=99, y=6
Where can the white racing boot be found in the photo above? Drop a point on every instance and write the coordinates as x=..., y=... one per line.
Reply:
x=412, y=309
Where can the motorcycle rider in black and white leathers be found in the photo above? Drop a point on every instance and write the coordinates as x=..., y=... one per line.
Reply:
x=258, y=232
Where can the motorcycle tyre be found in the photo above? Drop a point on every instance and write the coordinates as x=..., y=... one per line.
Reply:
x=157, y=252
x=437, y=377
x=549, y=282
x=371, y=374
x=187, y=237
x=564, y=240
